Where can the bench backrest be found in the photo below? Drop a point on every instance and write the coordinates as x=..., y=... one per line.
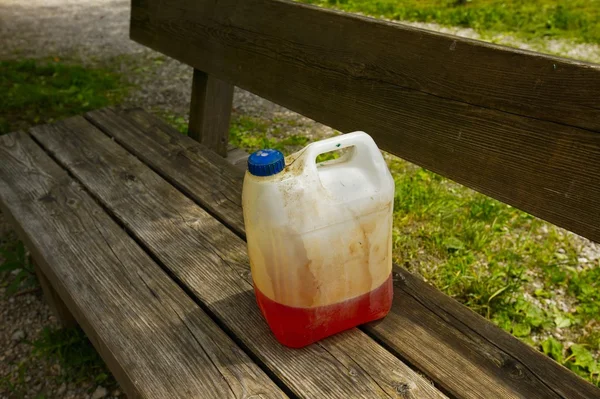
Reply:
x=518, y=126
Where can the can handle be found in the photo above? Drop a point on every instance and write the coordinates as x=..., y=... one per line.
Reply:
x=367, y=154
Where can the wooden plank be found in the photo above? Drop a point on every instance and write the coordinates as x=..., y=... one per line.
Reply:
x=518, y=126
x=172, y=153
x=157, y=342
x=278, y=33
x=211, y=262
x=238, y=158
x=210, y=111
x=463, y=353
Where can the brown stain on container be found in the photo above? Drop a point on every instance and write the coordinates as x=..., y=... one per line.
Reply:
x=299, y=267
x=310, y=285
x=367, y=280
x=355, y=248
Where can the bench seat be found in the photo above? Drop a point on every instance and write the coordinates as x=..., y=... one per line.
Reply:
x=139, y=230
x=156, y=340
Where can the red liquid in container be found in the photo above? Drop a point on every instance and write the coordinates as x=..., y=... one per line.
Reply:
x=297, y=327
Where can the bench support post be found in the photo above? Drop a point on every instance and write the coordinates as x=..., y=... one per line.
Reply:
x=210, y=111
x=58, y=307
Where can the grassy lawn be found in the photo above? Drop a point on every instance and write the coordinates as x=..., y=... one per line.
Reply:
x=36, y=92
x=520, y=272
x=571, y=19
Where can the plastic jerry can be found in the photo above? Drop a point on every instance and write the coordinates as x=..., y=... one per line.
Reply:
x=320, y=237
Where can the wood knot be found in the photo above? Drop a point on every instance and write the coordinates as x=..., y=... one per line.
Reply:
x=47, y=198
x=246, y=275
x=515, y=369
x=397, y=277
x=71, y=202
x=403, y=389
x=127, y=176
x=356, y=70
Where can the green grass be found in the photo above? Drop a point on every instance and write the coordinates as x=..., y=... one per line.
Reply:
x=70, y=349
x=572, y=19
x=16, y=271
x=250, y=133
x=489, y=255
x=35, y=92
x=253, y=134
x=78, y=360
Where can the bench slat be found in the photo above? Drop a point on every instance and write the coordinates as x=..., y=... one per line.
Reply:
x=521, y=127
x=461, y=351
x=155, y=339
x=212, y=263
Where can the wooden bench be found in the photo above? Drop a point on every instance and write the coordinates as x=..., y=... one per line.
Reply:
x=137, y=230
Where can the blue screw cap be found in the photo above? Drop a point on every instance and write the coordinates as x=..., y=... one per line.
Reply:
x=266, y=162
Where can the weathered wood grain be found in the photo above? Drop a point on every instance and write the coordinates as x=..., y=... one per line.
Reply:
x=208, y=259
x=238, y=158
x=422, y=316
x=168, y=151
x=518, y=126
x=463, y=353
x=154, y=338
x=210, y=111
x=279, y=33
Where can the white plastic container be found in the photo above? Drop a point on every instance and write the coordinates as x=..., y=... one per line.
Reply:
x=320, y=237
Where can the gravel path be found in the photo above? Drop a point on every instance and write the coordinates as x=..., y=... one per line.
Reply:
x=95, y=32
